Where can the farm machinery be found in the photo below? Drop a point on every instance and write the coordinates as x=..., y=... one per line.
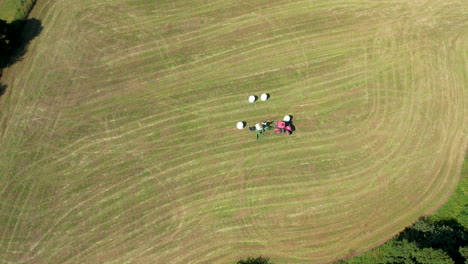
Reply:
x=280, y=127
x=283, y=127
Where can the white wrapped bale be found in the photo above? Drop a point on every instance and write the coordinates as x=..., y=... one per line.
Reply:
x=259, y=127
x=287, y=118
x=264, y=97
x=240, y=125
x=252, y=98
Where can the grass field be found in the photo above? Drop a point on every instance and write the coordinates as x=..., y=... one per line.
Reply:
x=453, y=214
x=118, y=141
x=15, y=9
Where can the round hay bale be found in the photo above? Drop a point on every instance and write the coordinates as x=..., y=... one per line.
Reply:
x=259, y=126
x=252, y=98
x=264, y=97
x=241, y=125
x=287, y=118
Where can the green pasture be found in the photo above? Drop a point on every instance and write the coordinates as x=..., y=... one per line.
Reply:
x=119, y=142
x=11, y=10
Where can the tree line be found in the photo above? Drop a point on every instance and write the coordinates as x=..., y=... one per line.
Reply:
x=425, y=242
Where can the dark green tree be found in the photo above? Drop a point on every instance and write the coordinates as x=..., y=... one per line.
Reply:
x=464, y=252
x=258, y=260
x=399, y=252
x=432, y=256
x=445, y=235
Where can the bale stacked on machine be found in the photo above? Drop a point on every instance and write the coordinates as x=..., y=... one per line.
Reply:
x=282, y=127
x=259, y=126
x=285, y=126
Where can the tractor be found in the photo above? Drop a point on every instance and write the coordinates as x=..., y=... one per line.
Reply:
x=283, y=127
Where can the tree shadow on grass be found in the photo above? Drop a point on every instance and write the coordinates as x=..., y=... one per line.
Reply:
x=3, y=88
x=15, y=38
x=22, y=32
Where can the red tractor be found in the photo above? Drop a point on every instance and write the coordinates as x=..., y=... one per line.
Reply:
x=283, y=127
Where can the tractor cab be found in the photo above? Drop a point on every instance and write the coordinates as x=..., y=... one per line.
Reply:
x=283, y=127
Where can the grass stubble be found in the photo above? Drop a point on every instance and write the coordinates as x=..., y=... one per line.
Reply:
x=118, y=140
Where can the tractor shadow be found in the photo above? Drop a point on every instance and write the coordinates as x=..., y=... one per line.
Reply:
x=18, y=34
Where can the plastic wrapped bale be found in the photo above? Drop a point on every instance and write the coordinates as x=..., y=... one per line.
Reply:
x=259, y=127
x=241, y=125
x=264, y=97
x=252, y=98
x=287, y=118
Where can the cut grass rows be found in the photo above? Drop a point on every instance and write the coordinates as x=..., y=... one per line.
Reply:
x=119, y=145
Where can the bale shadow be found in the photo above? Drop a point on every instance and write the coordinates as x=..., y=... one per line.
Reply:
x=267, y=97
x=253, y=98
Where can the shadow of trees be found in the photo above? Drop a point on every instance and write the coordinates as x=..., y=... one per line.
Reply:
x=3, y=88
x=14, y=40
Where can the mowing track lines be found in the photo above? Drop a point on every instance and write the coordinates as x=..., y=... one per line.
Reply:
x=115, y=137
x=429, y=197
x=133, y=124
x=384, y=101
x=104, y=139
x=191, y=32
x=69, y=212
x=21, y=202
x=365, y=160
x=22, y=207
x=208, y=65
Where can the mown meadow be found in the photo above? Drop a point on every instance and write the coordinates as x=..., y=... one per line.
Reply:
x=118, y=138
